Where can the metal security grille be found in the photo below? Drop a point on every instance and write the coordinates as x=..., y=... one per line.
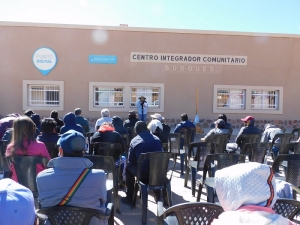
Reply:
x=262, y=99
x=152, y=95
x=43, y=95
x=231, y=98
x=108, y=96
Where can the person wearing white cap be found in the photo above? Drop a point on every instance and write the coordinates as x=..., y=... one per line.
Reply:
x=155, y=127
x=142, y=106
x=16, y=204
x=247, y=193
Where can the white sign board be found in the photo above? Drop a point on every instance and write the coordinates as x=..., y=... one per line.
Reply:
x=44, y=59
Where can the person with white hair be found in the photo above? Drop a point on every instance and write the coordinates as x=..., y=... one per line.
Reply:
x=105, y=118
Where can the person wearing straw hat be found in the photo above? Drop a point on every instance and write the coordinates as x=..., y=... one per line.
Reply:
x=142, y=106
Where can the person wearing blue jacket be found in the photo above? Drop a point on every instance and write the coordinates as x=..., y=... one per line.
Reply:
x=70, y=124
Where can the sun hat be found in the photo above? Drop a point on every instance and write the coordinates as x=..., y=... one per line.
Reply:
x=16, y=204
x=72, y=141
x=248, y=118
x=157, y=116
x=142, y=96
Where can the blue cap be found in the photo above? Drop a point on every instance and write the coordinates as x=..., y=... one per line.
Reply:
x=72, y=141
x=16, y=203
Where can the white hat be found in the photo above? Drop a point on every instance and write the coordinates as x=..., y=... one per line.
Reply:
x=16, y=204
x=157, y=116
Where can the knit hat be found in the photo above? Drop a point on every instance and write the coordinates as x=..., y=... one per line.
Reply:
x=245, y=184
x=72, y=141
x=16, y=204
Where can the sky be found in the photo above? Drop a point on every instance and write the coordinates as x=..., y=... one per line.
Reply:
x=258, y=16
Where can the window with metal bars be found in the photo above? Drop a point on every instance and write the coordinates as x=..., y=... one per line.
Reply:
x=231, y=98
x=152, y=95
x=43, y=95
x=108, y=96
x=264, y=99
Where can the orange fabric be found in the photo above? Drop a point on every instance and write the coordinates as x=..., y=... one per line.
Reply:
x=105, y=128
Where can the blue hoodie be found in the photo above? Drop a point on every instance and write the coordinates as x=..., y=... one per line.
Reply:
x=70, y=124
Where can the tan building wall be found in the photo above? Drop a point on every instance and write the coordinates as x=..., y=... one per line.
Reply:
x=272, y=60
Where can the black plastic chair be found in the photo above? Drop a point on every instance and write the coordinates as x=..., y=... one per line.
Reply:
x=52, y=148
x=126, y=141
x=296, y=134
x=202, y=149
x=69, y=215
x=292, y=171
x=107, y=164
x=222, y=160
x=285, y=138
x=249, y=138
x=292, y=146
x=255, y=151
x=3, y=162
x=165, y=146
x=288, y=208
x=131, y=133
x=158, y=168
x=187, y=135
x=221, y=141
x=88, y=136
x=174, y=141
x=25, y=167
x=107, y=149
x=192, y=213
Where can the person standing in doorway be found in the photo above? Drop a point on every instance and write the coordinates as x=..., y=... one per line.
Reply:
x=142, y=106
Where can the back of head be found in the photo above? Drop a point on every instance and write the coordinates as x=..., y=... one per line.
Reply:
x=223, y=117
x=16, y=203
x=72, y=144
x=77, y=111
x=69, y=119
x=28, y=112
x=220, y=123
x=23, y=127
x=132, y=114
x=140, y=126
x=184, y=117
x=117, y=121
x=48, y=125
x=245, y=184
x=153, y=125
x=105, y=113
x=36, y=119
x=54, y=114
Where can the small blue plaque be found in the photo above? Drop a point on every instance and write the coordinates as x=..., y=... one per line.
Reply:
x=103, y=59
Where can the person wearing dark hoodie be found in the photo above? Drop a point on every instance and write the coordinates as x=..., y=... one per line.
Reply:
x=70, y=124
x=268, y=135
x=131, y=121
x=59, y=122
x=118, y=125
x=37, y=120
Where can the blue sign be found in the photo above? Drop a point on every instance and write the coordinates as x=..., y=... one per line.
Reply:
x=44, y=59
x=103, y=59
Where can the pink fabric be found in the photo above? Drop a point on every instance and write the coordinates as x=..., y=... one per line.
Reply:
x=252, y=208
x=36, y=148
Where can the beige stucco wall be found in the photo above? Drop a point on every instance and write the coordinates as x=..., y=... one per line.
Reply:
x=271, y=61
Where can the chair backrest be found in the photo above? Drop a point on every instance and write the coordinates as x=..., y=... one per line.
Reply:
x=221, y=141
x=293, y=146
x=174, y=140
x=187, y=135
x=249, y=138
x=284, y=139
x=88, y=135
x=296, y=134
x=52, y=148
x=195, y=213
x=26, y=172
x=293, y=167
x=70, y=215
x=256, y=150
x=158, y=167
x=165, y=146
x=288, y=208
x=107, y=149
x=126, y=140
x=202, y=149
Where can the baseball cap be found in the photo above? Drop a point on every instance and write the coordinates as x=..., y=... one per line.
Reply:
x=220, y=121
x=72, y=141
x=247, y=118
x=16, y=204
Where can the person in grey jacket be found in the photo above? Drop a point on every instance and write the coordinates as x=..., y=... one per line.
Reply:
x=219, y=129
x=268, y=135
x=53, y=184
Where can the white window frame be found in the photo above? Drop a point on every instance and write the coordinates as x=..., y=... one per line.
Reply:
x=248, y=96
x=126, y=95
x=59, y=107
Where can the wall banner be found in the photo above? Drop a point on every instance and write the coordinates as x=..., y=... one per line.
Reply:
x=103, y=59
x=188, y=58
x=44, y=59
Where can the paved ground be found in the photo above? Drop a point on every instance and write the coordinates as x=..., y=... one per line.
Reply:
x=180, y=194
